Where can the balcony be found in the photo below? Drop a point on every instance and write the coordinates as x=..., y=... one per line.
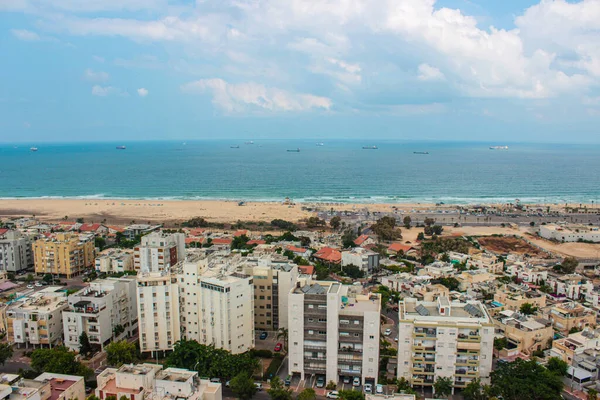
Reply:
x=349, y=372
x=315, y=347
x=468, y=338
x=349, y=350
x=468, y=345
x=353, y=361
x=318, y=358
x=350, y=339
x=315, y=370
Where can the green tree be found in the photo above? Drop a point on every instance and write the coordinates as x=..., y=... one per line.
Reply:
x=403, y=386
x=111, y=397
x=92, y=397
x=282, y=334
x=451, y=283
x=58, y=360
x=348, y=238
x=47, y=278
x=100, y=242
x=407, y=220
x=476, y=391
x=29, y=278
x=353, y=271
x=240, y=242
x=521, y=379
x=528, y=309
x=351, y=395
x=385, y=228
x=500, y=343
x=121, y=352
x=79, y=220
x=385, y=293
x=557, y=366
x=6, y=352
x=118, y=329
x=278, y=391
x=335, y=222
x=307, y=394
x=429, y=221
x=243, y=386
x=592, y=394
x=123, y=398
x=569, y=265
x=442, y=387
x=445, y=257
x=421, y=236
x=85, y=347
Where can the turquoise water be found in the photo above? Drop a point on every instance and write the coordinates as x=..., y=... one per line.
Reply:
x=338, y=171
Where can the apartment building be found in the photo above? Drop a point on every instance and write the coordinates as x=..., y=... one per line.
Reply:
x=487, y=261
x=158, y=306
x=571, y=233
x=571, y=286
x=430, y=292
x=527, y=273
x=65, y=254
x=566, y=316
x=467, y=279
x=364, y=259
x=576, y=344
x=15, y=251
x=63, y=387
x=105, y=311
x=37, y=318
x=145, y=381
x=113, y=261
x=524, y=333
x=334, y=332
x=159, y=251
x=444, y=339
x=513, y=296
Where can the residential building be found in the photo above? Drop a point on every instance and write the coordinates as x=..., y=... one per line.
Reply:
x=430, y=292
x=298, y=251
x=159, y=251
x=575, y=344
x=65, y=254
x=399, y=249
x=364, y=259
x=96, y=229
x=15, y=251
x=113, y=261
x=570, y=233
x=524, y=333
x=328, y=255
x=571, y=286
x=63, y=387
x=134, y=230
x=513, y=296
x=566, y=316
x=141, y=381
x=444, y=339
x=106, y=311
x=438, y=269
x=334, y=332
x=36, y=319
x=472, y=277
x=527, y=273
x=25, y=389
x=487, y=261
x=364, y=240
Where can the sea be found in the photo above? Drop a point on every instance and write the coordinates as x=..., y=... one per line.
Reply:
x=339, y=171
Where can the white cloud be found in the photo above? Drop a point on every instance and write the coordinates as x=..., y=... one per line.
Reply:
x=93, y=76
x=429, y=73
x=26, y=125
x=143, y=92
x=104, y=91
x=25, y=35
x=98, y=59
x=251, y=96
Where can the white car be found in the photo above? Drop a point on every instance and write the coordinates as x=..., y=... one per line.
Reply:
x=379, y=389
x=356, y=382
x=332, y=395
x=258, y=386
x=29, y=286
x=396, y=339
x=37, y=284
x=387, y=332
x=368, y=388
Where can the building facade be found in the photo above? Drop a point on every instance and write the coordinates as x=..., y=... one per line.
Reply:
x=65, y=254
x=114, y=261
x=159, y=251
x=15, y=251
x=364, y=259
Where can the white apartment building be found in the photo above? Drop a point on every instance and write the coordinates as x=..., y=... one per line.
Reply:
x=37, y=318
x=364, y=259
x=15, y=251
x=114, y=261
x=106, y=311
x=444, y=339
x=572, y=286
x=159, y=251
x=527, y=273
x=570, y=233
x=334, y=332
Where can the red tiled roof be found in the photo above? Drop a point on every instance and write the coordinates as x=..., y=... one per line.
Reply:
x=222, y=241
x=66, y=223
x=116, y=228
x=295, y=249
x=307, y=269
x=329, y=254
x=89, y=227
x=197, y=231
x=3, y=231
x=360, y=240
x=256, y=241
x=194, y=240
x=399, y=247
x=241, y=232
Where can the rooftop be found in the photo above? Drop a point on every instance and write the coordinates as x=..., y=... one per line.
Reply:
x=443, y=309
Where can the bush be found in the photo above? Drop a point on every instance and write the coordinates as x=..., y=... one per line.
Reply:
x=274, y=366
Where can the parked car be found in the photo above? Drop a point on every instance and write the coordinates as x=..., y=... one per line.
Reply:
x=346, y=379
x=278, y=347
x=29, y=286
x=356, y=382
x=387, y=332
x=263, y=335
x=258, y=386
x=368, y=388
x=396, y=339
x=287, y=381
x=379, y=389
x=320, y=381
x=332, y=395
x=215, y=380
x=38, y=284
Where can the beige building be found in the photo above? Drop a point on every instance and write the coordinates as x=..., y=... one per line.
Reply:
x=575, y=344
x=567, y=316
x=525, y=334
x=472, y=277
x=513, y=296
x=65, y=254
x=444, y=339
x=63, y=387
x=37, y=318
x=486, y=261
x=114, y=261
x=431, y=292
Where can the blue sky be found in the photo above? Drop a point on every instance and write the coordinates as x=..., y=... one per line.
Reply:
x=92, y=70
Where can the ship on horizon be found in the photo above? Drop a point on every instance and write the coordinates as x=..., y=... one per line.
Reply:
x=369, y=147
x=234, y=147
x=420, y=152
x=249, y=142
x=294, y=150
x=320, y=144
x=33, y=148
x=121, y=148
x=498, y=147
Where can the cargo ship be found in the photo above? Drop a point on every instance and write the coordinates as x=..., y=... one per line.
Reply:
x=121, y=148
x=369, y=147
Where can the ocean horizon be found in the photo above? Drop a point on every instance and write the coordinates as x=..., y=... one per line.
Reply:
x=338, y=171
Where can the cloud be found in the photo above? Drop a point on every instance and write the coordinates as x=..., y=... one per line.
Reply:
x=25, y=35
x=429, y=73
x=251, y=96
x=142, y=92
x=103, y=91
x=93, y=76
x=26, y=125
x=98, y=59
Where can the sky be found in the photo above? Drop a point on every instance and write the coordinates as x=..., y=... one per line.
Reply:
x=481, y=70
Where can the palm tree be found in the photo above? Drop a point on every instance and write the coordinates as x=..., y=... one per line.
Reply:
x=282, y=333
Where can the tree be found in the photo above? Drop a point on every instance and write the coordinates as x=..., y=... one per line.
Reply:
x=385, y=228
x=592, y=394
x=92, y=397
x=85, y=347
x=6, y=352
x=282, y=333
x=476, y=391
x=403, y=386
x=307, y=394
x=569, y=265
x=335, y=223
x=429, y=221
x=407, y=220
x=351, y=395
x=278, y=391
x=437, y=229
x=118, y=329
x=557, y=366
x=58, y=360
x=315, y=222
x=123, y=398
x=421, y=236
x=500, y=343
x=29, y=278
x=451, y=283
x=525, y=380
x=353, y=271
x=348, y=238
x=79, y=220
x=532, y=223
x=442, y=387
x=121, y=352
x=99, y=242
x=284, y=225
x=47, y=278
x=243, y=386
x=528, y=309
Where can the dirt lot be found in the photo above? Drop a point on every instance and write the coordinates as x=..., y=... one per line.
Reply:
x=510, y=244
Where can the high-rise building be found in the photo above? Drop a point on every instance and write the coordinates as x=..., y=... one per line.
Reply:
x=65, y=254
x=334, y=332
x=15, y=251
x=444, y=339
x=159, y=251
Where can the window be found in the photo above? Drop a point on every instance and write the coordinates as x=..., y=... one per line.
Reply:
x=371, y=337
x=311, y=306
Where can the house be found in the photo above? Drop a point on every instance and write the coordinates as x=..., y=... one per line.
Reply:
x=299, y=251
x=256, y=242
x=329, y=255
x=241, y=232
x=364, y=259
x=524, y=333
x=364, y=240
x=399, y=249
x=222, y=241
x=96, y=229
